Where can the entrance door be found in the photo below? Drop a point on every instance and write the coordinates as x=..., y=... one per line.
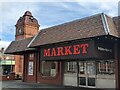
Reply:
x=87, y=73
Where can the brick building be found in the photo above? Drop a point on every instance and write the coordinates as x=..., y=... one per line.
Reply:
x=83, y=53
x=7, y=62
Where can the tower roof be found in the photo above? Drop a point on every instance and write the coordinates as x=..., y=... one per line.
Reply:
x=27, y=13
x=28, y=19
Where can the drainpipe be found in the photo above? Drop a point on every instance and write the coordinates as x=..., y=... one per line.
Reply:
x=116, y=66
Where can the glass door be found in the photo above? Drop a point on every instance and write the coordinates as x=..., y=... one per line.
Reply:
x=86, y=73
x=91, y=73
x=82, y=73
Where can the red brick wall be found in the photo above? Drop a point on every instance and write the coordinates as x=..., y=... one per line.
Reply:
x=26, y=77
x=57, y=80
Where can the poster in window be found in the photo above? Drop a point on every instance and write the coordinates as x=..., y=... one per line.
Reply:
x=30, y=68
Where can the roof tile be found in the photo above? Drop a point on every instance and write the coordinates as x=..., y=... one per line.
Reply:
x=18, y=46
x=82, y=28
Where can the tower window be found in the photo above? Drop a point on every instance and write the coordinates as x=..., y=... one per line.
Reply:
x=31, y=56
x=20, y=19
x=31, y=18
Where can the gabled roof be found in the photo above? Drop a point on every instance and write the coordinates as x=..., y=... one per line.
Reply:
x=92, y=26
x=18, y=46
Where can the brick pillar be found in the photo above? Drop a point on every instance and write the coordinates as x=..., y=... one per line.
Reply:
x=18, y=64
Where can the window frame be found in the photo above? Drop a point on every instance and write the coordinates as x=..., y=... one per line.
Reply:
x=106, y=67
x=71, y=66
x=31, y=56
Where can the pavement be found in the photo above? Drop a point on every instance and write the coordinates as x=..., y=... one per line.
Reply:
x=19, y=85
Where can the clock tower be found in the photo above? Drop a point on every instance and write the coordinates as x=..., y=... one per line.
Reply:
x=26, y=26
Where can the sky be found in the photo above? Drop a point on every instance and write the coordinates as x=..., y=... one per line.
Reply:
x=49, y=13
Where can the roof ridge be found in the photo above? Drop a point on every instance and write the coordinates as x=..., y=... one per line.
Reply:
x=105, y=24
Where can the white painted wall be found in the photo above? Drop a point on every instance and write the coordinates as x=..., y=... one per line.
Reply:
x=106, y=81
x=70, y=79
x=102, y=81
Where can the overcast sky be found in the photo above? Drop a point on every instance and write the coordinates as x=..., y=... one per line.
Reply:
x=49, y=13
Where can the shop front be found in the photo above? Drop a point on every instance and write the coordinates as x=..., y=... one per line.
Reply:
x=85, y=63
x=90, y=74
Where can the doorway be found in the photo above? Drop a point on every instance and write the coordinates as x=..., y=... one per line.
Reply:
x=87, y=73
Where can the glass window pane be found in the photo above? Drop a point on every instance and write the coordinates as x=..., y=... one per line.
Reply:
x=71, y=67
x=82, y=81
x=82, y=67
x=106, y=67
x=91, y=68
x=91, y=81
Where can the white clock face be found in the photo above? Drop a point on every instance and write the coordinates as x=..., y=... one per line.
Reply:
x=20, y=31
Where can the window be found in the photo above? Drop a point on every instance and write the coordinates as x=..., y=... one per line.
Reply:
x=106, y=67
x=71, y=66
x=31, y=56
x=48, y=68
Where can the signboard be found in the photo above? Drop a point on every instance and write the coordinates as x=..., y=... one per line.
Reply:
x=104, y=50
x=97, y=50
x=74, y=50
x=30, y=68
x=7, y=62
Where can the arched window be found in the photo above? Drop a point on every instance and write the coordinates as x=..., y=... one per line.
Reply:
x=48, y=68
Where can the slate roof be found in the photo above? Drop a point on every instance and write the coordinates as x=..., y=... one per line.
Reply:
x=18, y=46
x=117, y=24
x=96, y=25
x=92, y=26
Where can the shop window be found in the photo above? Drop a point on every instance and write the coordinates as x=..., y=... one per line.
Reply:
x=71, y=67
x=48, y=68
x=31, y=56
x=106, y=67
